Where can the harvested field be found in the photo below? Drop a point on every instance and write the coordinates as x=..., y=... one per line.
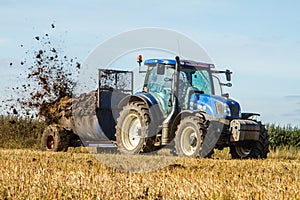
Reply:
x=27, y=174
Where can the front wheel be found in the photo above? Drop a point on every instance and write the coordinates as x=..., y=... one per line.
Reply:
x=131, y=129
x=252, y=149
x=189, y=137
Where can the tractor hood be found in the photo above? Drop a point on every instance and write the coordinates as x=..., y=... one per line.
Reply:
x=215, y=105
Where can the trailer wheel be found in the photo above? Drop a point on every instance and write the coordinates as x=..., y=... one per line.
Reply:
x=55, y=138
x=252, y=149
x=189, y=137
x=131, y=129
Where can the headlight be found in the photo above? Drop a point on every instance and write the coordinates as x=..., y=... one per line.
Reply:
x=201, y=107
x=227, y=111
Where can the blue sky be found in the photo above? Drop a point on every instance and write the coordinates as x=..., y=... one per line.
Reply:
x=258, y=40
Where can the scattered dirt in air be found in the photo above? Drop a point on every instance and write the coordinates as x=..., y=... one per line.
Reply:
x=51, y=78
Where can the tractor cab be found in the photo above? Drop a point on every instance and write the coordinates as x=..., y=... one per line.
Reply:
x=194, y=77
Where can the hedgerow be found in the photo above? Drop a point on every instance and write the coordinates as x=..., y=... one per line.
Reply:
x=25, y=132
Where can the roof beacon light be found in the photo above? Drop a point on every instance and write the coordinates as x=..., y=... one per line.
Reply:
x=140, y=59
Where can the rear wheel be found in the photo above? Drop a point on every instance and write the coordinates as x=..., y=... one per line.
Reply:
x=189, y=137
x=132, y=128
x=55, y=138
x=252, y=149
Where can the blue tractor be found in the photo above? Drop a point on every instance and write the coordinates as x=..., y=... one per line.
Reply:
x=178, y=107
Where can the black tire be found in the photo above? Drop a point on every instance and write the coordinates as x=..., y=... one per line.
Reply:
x=252, y=149
x=55, y=138
x=189, y=136
x=132, y=129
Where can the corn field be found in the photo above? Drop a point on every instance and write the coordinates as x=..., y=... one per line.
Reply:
x=17, y=132
x=284, y=136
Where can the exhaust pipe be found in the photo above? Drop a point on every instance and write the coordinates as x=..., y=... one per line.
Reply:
x=168, y=121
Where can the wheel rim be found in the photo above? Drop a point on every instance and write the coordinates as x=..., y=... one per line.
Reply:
x=189, y=141
x=243, y=151
x=131, y=132
x=50, y=142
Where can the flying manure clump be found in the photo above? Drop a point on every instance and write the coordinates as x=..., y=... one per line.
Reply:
x=51, y=78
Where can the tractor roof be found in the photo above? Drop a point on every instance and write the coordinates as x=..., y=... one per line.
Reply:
x=173, y=62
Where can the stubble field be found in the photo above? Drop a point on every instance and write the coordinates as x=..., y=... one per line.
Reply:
x=28, y=174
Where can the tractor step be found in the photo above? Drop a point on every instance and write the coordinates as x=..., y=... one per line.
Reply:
x=103, y=144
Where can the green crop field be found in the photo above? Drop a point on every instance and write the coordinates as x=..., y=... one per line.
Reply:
x=29, y=174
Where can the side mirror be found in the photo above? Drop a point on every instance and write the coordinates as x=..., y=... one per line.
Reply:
x=228, y=74
x=226, y=84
